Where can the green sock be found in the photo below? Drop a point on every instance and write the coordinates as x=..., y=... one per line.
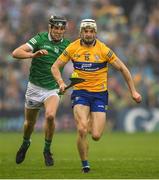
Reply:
x=26, y=142
x=47, y=145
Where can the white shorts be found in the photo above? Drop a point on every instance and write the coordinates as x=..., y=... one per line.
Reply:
x=35, y=96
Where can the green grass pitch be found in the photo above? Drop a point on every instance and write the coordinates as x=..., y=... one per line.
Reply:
x=115, y=156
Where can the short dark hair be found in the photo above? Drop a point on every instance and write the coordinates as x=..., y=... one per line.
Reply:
x=57, y=21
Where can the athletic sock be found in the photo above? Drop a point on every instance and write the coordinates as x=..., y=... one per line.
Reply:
x=47, y=145
x=85, y=163
x=26, y=142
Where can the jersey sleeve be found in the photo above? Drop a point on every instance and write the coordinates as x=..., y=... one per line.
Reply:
x=109, y=54
x=66, y=55
x=34, y=42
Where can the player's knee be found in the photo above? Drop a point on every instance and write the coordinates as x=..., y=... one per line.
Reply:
x=49, y=117
x=82, y=131
x=96, y=136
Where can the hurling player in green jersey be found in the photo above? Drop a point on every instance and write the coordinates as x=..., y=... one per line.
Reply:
x=42, y=89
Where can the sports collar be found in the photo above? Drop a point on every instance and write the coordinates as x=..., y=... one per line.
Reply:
x=50, y=38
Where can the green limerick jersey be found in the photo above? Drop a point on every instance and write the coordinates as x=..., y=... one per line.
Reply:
x=40, y=70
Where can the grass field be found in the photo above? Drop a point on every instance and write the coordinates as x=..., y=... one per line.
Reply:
x=115, y=156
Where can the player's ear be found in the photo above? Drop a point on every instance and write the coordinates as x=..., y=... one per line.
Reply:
x=49, y=28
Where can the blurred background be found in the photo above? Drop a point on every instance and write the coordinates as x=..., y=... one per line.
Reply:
x=129, y=27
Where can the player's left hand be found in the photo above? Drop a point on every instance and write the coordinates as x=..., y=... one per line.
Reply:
x=39, y=53
x=137, y=97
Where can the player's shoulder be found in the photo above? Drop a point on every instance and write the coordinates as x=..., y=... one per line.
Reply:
x=38, y=38
x=101, y=44
x=75, y=43
x=72, y=46
x=42, y=34
x=66, y=41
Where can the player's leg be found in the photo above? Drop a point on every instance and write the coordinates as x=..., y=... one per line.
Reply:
x=51, y=105
x=98, y=120
x=90, y=123
x=30, y=119
x=81, y=114
x=98, y=114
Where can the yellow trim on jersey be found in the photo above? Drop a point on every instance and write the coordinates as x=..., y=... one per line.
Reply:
x=90, y=63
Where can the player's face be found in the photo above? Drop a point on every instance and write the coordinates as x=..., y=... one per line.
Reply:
x=88, y=35
x=57, y=32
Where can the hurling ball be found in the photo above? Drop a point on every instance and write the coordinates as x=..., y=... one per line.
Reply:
x=74, y=75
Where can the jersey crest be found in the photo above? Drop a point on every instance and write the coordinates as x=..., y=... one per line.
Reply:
x=56, y=50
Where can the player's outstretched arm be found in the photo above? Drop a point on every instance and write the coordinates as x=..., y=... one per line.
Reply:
x=24, y=52
x=119, y=65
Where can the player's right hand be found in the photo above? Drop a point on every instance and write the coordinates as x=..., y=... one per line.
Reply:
x=40, y=53
x=62, y=87
x=137, y=97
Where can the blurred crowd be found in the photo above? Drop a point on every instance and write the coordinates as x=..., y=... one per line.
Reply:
x=130, y=28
